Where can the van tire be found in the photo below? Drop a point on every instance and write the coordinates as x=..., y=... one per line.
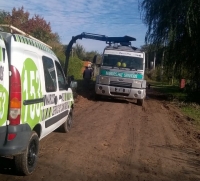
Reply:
x=25, y=163
x=140, y=102
x=66, y=126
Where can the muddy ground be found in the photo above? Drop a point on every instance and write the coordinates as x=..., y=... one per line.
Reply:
x=115, y=140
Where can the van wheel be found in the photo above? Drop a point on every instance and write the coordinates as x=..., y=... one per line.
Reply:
x=25, y=163
x=66, y=126
x=140, y=102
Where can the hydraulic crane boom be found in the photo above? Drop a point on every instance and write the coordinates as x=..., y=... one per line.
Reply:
x=109, y=40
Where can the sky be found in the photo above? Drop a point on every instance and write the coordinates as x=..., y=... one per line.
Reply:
x=69, y=18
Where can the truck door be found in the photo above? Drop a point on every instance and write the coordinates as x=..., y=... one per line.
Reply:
x=4, y=82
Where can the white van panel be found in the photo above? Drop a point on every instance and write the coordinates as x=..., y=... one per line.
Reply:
x=51, y=128
x=28, y=59
x=4, y=82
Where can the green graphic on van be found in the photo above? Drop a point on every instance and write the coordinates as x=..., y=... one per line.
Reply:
x=31, y=89
x=47, y=113
x=3, y=104
x=70, y=97
x=121, y=74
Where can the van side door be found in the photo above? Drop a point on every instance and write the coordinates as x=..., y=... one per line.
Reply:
x=64, y=95
x=49, y=120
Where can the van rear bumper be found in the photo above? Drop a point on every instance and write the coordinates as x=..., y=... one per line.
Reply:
x=18, y=144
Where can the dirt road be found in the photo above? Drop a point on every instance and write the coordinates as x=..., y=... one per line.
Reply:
x=115, y=140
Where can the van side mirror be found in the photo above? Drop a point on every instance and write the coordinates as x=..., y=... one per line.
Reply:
x=67, y=86
x=73, y=85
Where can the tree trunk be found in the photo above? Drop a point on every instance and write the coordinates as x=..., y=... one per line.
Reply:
x=154, y=61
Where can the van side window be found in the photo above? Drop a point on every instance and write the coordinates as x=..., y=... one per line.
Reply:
x=61, y=77
x=49, y=74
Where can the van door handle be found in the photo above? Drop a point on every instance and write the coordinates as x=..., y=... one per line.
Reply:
x=55, y=100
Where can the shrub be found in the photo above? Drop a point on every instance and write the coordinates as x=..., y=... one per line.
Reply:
x=74, y=68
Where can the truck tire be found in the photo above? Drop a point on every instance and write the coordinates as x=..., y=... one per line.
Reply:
x=98, y=97
x=66, y=126
x=26, y=162
x=140, y=102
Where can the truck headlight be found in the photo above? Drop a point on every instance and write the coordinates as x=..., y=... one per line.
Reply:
x=137, y=82
x=103, y=79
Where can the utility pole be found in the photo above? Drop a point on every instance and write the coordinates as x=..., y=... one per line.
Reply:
x=147, y=61
x=154, y=61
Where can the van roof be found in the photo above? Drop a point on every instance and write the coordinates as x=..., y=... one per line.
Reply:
x=32, y=42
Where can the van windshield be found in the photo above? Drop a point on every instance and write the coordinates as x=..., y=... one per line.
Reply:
x=135, y=63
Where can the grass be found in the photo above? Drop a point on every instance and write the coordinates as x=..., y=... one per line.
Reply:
x=186, y=103
x=171, y=91
x=192, y=111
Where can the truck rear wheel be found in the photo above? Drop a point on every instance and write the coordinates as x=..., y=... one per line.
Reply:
x=26, y=162
x=140, y=102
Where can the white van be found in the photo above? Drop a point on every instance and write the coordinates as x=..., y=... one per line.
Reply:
x=35, y=98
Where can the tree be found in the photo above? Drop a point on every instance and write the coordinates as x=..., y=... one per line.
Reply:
x=175, y=25
x=3, y=16
x=35, y=26
x=90, y=55
x=40, y=29
x=79, y=50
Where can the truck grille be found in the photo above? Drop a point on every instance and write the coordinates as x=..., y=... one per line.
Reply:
x=120, y=84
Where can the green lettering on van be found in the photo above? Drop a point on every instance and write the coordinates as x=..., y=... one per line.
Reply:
x=31, y=90
x=3, y=104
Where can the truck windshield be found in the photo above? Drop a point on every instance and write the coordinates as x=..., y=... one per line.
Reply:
x=135, y=63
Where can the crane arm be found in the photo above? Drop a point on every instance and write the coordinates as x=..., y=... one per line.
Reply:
x=108, y=40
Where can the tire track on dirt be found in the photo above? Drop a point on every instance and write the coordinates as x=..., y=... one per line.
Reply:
x=131, y=159
x=165, y=146
x=117, y=140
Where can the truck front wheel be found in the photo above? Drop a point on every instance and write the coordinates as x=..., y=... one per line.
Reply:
x=26, y=162
x=140, y=102
x=98, y=97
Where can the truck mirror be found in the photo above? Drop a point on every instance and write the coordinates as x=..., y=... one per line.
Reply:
x=97, y=60
x=94, y=59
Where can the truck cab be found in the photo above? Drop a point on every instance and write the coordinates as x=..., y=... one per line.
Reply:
x=121, y=73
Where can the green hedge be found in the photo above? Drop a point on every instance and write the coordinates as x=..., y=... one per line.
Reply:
x=75, y=67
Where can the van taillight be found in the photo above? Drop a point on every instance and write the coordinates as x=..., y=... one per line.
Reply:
x=15, y=96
